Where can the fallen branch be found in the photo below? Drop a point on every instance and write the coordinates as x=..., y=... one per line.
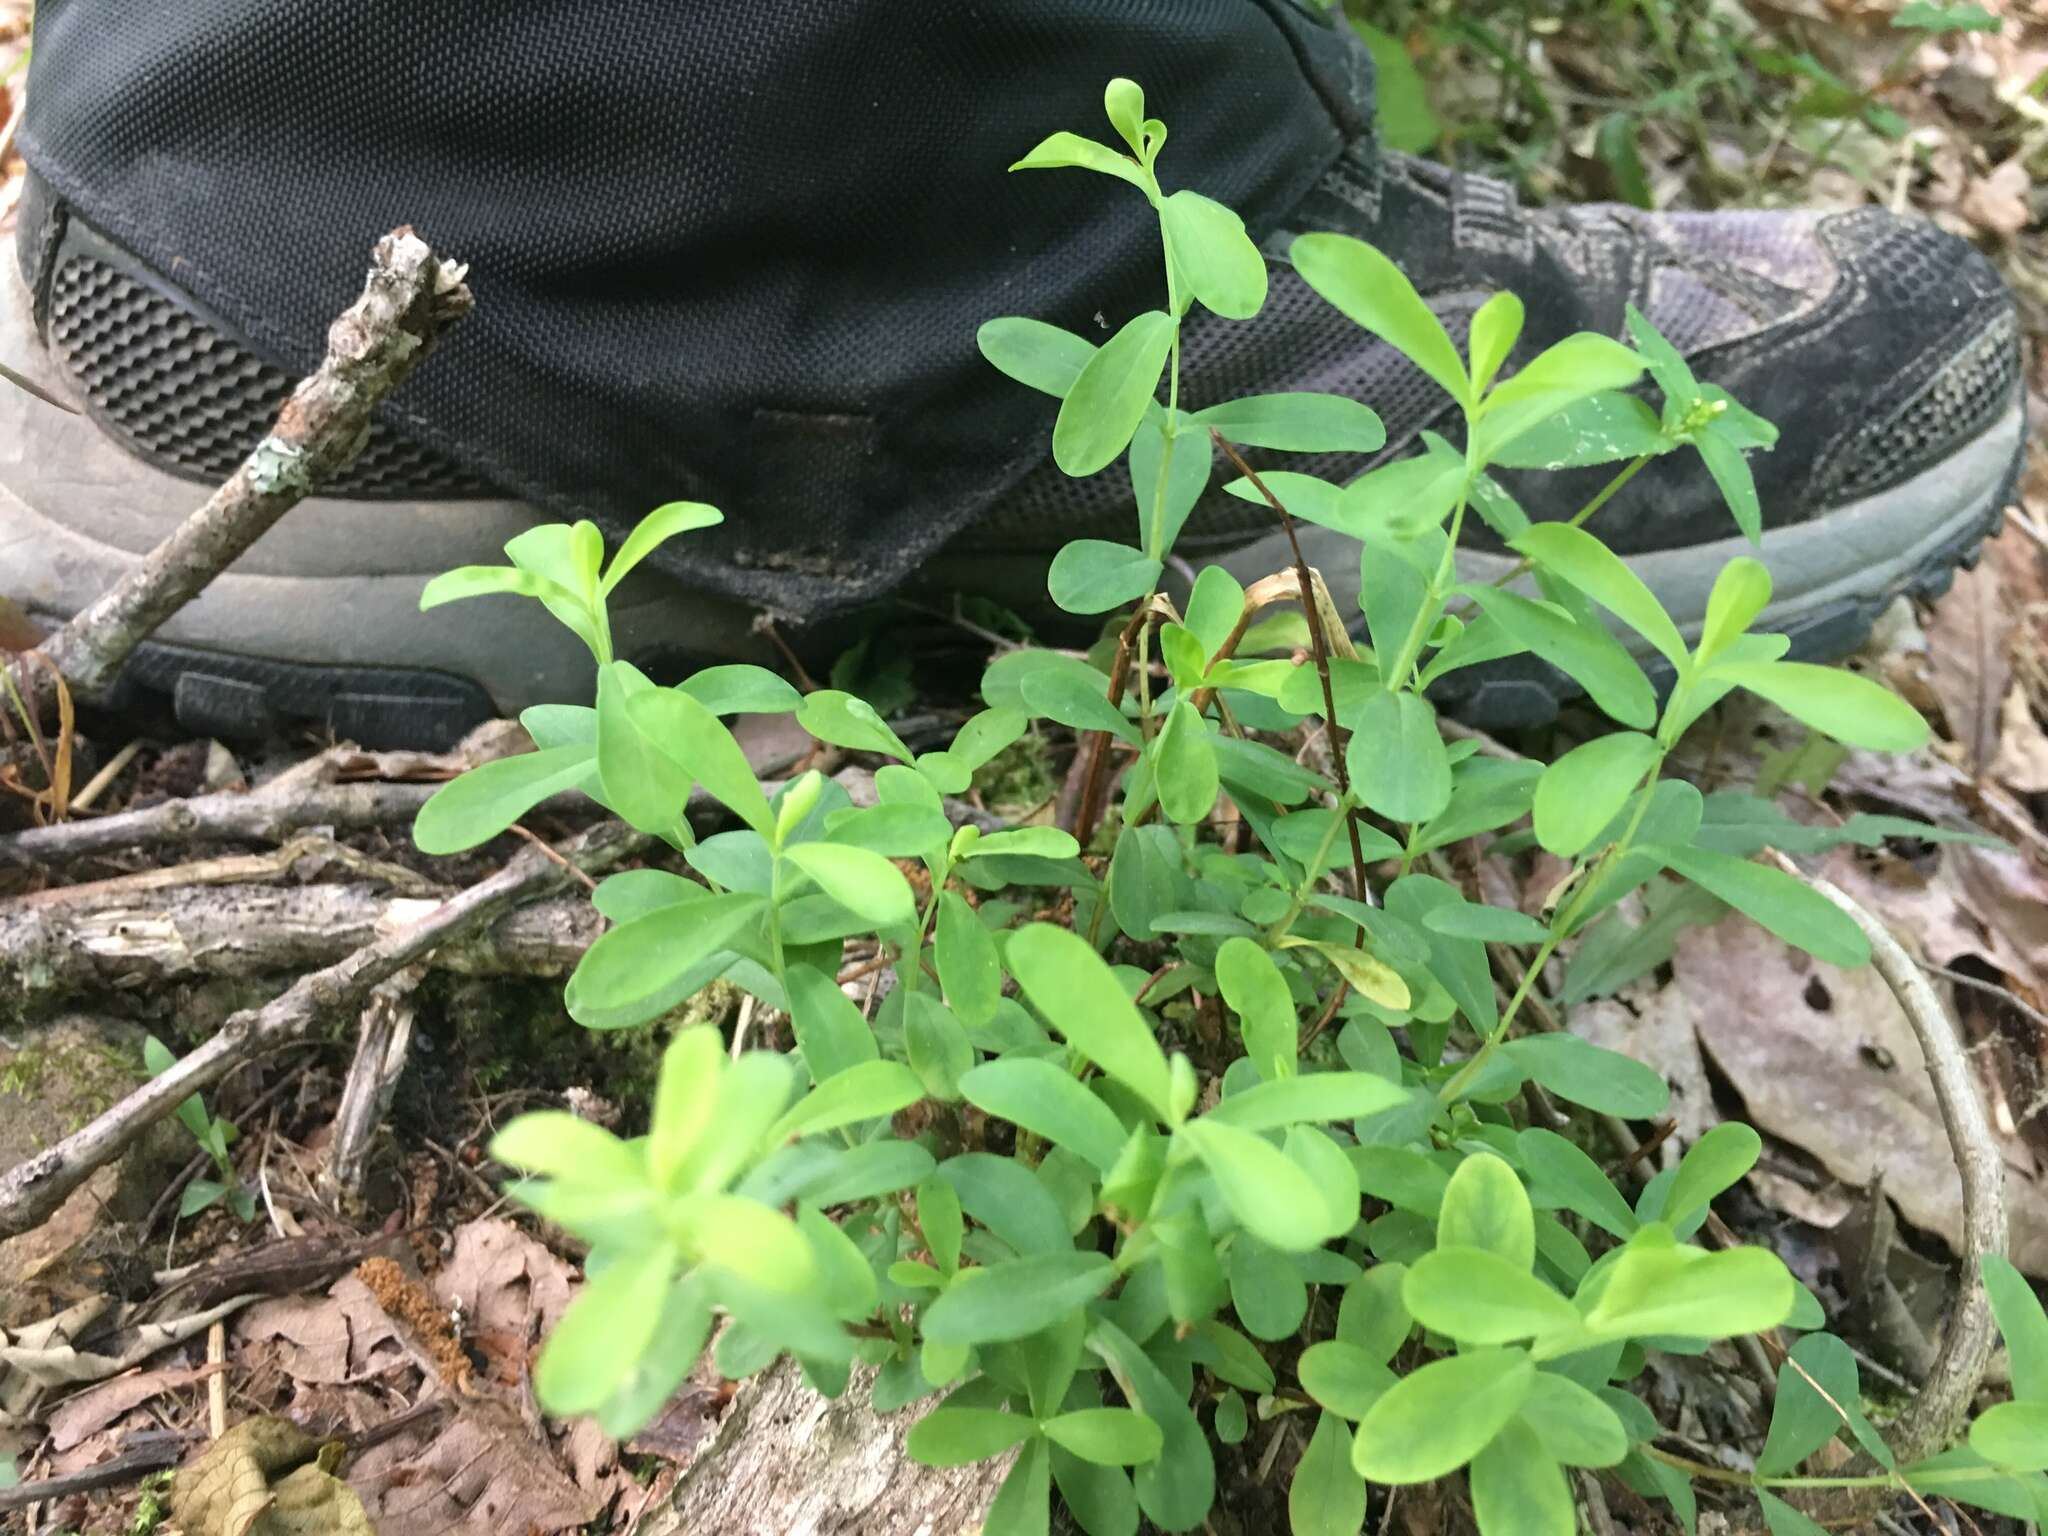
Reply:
x=32, y=1191
x=266, y=815
x=51, y=952
x=1933, y=1418
x=409, y=301
x=162, y=1450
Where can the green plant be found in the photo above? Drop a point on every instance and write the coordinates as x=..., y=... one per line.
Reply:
x=1097, y=1254
x=214, y=1136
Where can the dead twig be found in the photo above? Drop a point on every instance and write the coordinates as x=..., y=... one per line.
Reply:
x=265, y=815
x=1934, y=1416
x=409, y=301
x=162, y=1451
x=381, y=1051
x=32, y=1191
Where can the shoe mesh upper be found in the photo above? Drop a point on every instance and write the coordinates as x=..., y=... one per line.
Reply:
x=191, y=400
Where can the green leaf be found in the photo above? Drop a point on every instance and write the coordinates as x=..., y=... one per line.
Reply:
x=753, y=1241
x=1567, y=1177
x=1123, y=102
x=1731, y=474
x=685, y=1100
x=830, y=1032
x=1573, y=1425
x=1094, y=575
x=599, y=1340
x=484, y=581
x=867, y=1091
x=1039, y=356
x=1177, y=1490
x=1557, y=378
x=1666, y=366
x=1266, y=1289
x=1015, y=1299
x=1109, y=399
x=1434, y=1420
x=896, y=831
x=1187, y=476
x=956, y=1437
x=1039, y=842
x=1926, y=16
x=1397, y=761
x=2013, y=1435
x=640, y=959
x=1663, y=1289
x=487, y=799
x=1518, y=1490
x=740, y=689
x=1599, y=429
x=1496, y=327
x=1367, y=287
x=965, y=953
x=1343, y=1378
x=1317, y=1098
x=1253, y=987
x=1213, y=254
x=1145, y=879
x=1848, y=707
x=864, y=883
x=1074, y=697
x=2022, y=1322
x=1299, y=421
x=1588, y=654
x=1575, y=556
x=1023, y=1505
x=1485, y=1206
x=1184, y=765
x=1741, y=592
x=1790, y=908
x=937, y=1044
x=1615, y=143
x=641, y=781
x=1109, y=1437
x=1326, y=1498
x=1062, y=150
x=1606, y=1082
x=1401, y=111
x=1583, y=791
x=1802, y=1419
x=1477, y=1297
x=1492, y=925
x=1037, y=1096
x=1080, y=996
x=832, y=715
x=1268, y=1193
x=1711, y=1164
x=698, y=742
x=1781, y=1519
x=655, y=530
x=1372, y=1315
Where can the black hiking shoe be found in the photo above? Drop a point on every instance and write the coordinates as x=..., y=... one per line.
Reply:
x=1886, y=352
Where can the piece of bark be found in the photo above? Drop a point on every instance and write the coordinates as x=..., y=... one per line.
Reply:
x=31, y=1191
x=410, y=300
x=785, y=1459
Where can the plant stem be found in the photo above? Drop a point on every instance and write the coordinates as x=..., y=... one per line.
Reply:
x=1319, y=642
x=1278, y=930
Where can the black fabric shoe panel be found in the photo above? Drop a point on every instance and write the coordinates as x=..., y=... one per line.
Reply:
x=704, y=239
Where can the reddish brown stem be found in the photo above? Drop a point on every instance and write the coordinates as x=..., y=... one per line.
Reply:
x=1093, y=786
x=1318, y=643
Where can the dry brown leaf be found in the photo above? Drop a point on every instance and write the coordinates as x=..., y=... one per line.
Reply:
x=1824, y=1059
x=1997, y=203
x=1967, y=665
x=509, y=1288
x=2021, y=764
x=267, y=1477
x=343, y=1336
x=482, y=1475
x=93, y=1410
